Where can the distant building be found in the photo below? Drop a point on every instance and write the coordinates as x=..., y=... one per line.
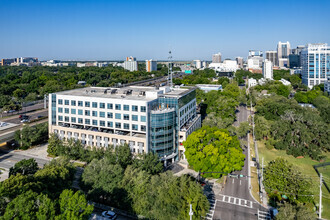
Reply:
x=226, y=66
x=240, y=62
x=295, y=71
x=209, y=87
x=130, y=64
x=271, y=55
x=151, y=65
x=81, y=64
x=83, y=83
x=294, y=60
x=252, y=82
x=216, y=58
x=285, y=82
x=254, y=63
x=198, y=64
x=267, y=69
x=204, y=64
x=315, y=64
x=283, y=52
x=7, y=62
x=255, y=53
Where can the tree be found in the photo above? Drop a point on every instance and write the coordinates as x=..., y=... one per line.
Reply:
x=262, y=127
x=25, y=167
x=288, y=211
x=211, y=149
x=102, y=178
x=282, y=178
x=30, y=205
x=74, y=205
x=123, y=155
x=54, y=143
x=149, y=162
x=243, y=129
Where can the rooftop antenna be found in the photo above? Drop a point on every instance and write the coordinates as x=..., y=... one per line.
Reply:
x=170, y=74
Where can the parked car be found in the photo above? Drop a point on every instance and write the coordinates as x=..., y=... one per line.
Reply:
x=109, y=214
x=11, y=111
x=40, y=116
x=25, y=120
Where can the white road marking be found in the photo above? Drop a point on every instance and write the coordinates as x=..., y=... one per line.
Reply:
x=236, y=201
x=240, y=182
x=233, y=180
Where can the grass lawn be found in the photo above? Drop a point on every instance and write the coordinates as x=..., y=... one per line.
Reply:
x=305, y=165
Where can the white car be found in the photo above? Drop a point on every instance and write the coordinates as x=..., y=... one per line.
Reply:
x=25, y=120
x=109, y=215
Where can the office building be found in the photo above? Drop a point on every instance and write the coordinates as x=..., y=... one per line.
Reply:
x=271, y=55
x=240, y=62
x=254, y=63
x=204, y=64
x=315, y=64
x=216, y=58
x=148, y=119
x=294, y=61
x=130, y=64
x=151, y=65
x=283, y=52
x=267, y=69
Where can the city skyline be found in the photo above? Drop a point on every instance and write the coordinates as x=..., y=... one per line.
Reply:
x=109, y=30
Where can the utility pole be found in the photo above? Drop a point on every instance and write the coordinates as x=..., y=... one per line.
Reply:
x=320, y=205
x=170, y=75
x=191, y=212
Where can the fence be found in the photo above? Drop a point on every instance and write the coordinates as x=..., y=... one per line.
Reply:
x=318, y=173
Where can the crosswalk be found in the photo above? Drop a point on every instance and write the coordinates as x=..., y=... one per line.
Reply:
x=210, y=214
x=236, y=201
x=263, y=215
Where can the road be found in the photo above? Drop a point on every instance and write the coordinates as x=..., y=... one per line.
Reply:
x=33, y=115
x=9, y=158
x=24, y=110
x=235, y=201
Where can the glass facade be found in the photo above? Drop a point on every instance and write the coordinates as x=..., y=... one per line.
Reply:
x=162, y=130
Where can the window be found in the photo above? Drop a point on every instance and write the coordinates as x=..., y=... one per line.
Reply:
x=110, y=115
x=117, y=116
x=60, y=101
x=109, y=106
x=80, y=120
x=87, y=121
x=102, y=123
x=66, y=102
x=126, y=117
x=126, y=126
x=87, y=112
x=134, y=108
x=94, y=113
x=87, y=104
x=110, y=124
x=134, y=127
x=134, y=118
x=73, y=102
x=95, y=122
x=73, y=111
x=66, y=118
x=66, y=110
x=94, y=104
x=80, y=112
x=143, y=128
x=118, y=107
x=60, y=110
x=143, y=118
x=80, y=103
x=126, y=107
x=102, y=114
x=73, y=119
x=143, y=109
x=118, y=125
x=102, y=105
x=60, y=118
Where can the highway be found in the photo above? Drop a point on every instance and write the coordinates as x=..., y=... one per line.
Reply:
x=235, y=201
x=24, y=110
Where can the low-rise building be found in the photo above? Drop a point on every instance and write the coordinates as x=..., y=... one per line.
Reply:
x=209, y=87
x=285, y=82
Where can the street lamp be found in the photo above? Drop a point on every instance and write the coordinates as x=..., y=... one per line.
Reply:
x=191, y=212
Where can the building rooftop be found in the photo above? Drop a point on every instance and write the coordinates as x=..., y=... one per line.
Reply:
x=128, y=93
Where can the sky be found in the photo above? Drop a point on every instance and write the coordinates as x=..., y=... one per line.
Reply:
x=148, y=29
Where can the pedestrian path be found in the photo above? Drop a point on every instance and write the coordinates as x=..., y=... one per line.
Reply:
x=235, y=201
x=263, y=215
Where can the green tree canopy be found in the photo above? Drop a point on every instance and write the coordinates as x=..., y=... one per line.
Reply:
x=25, y=167
x=211, y=149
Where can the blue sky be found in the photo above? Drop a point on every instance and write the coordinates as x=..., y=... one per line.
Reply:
x=106, y=29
